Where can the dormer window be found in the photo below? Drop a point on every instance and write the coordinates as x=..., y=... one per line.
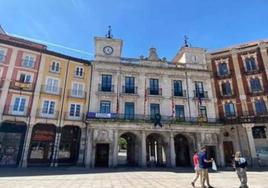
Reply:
x=250, y=64
x=79, y=72
x=55, y=67
x=223, y=69
x=28, y=61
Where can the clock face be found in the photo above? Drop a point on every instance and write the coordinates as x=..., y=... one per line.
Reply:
x=108, y=50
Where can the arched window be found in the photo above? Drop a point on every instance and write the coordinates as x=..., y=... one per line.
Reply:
x=255, y=85
x=79, y=72
x=223, y=69
x=229, y=109
x=250, y=64
x=55, y=67
x=260, y=107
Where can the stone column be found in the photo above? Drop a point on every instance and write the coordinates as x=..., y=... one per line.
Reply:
x=172, y=151
x=88, y=153
x=24, y=159
x=143, y=149
x=56, y=147
x=115, y=149
x=221, y=152
x=248, y=127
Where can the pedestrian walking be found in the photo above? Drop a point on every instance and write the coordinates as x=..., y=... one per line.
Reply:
x=203, y=165
x=240, y=166
x=196, y=168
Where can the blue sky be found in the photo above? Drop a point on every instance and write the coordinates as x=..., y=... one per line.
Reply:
x=142, y=24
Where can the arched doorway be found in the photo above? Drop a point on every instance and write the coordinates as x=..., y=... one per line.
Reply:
x=156, y=150
x=69, y=145
x=12, y=135
x=42, y=144
x=128, y=150
x=182, y=150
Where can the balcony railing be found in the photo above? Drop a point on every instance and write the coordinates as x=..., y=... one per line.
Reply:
x=18, y=85
x=201, y=95
x=253, y=71
x=129, y=90
x=179, y=94
x=69, y=117
x=154, y=91
x=256, y=92
x=51, y=90
x=46, y=115
x=77, y=93
x=148, y=118
x=225, y=75
x=12, y=111
x=227, y=95
x=104, y=88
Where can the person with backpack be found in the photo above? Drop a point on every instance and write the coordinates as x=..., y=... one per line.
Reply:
x=196, y=168
x=240, y=167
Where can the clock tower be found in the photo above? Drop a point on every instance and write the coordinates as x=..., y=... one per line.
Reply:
x=107, y=48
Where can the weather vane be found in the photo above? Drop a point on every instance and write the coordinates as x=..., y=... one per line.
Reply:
x=109, y=34
x=186, y=41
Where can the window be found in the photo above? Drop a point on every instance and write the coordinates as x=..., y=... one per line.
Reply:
x=129, y=110
x=79, y=72
x=229, y=109
x=203, y=111
x=52, y=85
x=19, y=104
x=2, y=56
x=177, y=84
x=259, y=132
x=48, y=107
x=25, y=78
x=129, y=84
x=223, y=69
x=105, y=107
x=226, y=88
x=106, y=83
x=260, y=107
x=55, y=67
x=28, y=61
x=250, y=64
x=75, y=110
x=154, y=86
x=199, y=90
x=255, y=85
x=154, y=109
x=179, y=110
x=78, y=90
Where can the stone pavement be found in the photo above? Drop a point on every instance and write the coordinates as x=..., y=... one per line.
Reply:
x=115, y=178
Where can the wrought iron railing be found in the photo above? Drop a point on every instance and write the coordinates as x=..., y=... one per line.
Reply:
x=129, y=90
x=198, y=94
x=104, y=88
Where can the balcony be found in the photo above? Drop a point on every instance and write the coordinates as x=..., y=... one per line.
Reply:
x=202, y=95
x=252, y=71
x=228, y=74
x=129, y=90
x=67, y=117
x=54, y=69
x=24, y=86
x=154, y=91
x=95, y=116
x=11, y=111
x=52, y=115
x=77, y=94
x=227, y=95
x=256, y=92
x=51, y=90
x=105, y=88
x=179, y=94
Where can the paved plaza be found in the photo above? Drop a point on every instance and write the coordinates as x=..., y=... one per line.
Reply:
x=113, y=178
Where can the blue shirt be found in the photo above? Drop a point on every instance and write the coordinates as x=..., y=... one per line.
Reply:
x=202, y=158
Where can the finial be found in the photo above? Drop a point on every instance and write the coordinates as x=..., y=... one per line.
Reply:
x=186, y=41
x=109, y=33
